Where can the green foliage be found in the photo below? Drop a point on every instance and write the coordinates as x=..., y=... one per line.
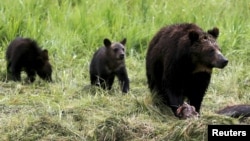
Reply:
x=70, y=109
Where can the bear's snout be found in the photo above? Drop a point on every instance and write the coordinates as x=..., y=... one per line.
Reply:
x=122, y=56
x=222, y=62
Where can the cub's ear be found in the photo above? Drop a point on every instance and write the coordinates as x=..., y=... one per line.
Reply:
x=193, y=35
x=123, y=41
x=107, y=42
x=46, y=53
x=214, y=32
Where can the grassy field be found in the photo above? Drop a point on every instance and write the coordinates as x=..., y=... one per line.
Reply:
x=70, y=109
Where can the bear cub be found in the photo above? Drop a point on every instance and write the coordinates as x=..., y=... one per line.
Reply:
x=108, y=62
x=24, y=54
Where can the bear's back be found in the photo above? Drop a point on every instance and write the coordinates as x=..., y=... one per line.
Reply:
x=22, y=48
x=173, y=33
x=172, y=40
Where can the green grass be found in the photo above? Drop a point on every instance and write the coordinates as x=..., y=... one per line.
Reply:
x=70, y=109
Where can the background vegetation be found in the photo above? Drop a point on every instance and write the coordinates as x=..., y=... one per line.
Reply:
x=70, y=109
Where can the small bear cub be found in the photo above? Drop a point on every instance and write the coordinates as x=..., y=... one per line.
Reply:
x=23, y=54
x=108, y=62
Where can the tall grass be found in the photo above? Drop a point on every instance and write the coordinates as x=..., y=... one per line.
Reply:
x=70, y=109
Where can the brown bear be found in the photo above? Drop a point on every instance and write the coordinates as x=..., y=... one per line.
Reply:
x=179, y=63
x=108, y=62
x=25, y=54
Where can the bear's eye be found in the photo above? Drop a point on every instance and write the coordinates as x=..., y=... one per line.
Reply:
x=211, y=51
x=116, y=49
x=205, y=37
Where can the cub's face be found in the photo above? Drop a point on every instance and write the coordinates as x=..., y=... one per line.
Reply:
x=205, y=51
x=115, y=50
x=45, y=69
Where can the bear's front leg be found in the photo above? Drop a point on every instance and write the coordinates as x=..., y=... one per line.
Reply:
x=123, y=79
x=173, y=98
x=31, y=75
x=110, y=81
x=16, y=74
x=125, y=85
x=103, y=81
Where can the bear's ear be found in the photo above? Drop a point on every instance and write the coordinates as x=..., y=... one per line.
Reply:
x=123, y=41
x=107, y=42
x=193, y=35
x=214, y=32
x=46, y=53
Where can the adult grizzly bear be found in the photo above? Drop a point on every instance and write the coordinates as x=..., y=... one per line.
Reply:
x=108, y=62
x=24, y=53
x=179, y=64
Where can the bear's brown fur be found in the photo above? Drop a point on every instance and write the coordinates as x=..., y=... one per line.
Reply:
x=236, y=111
x=179, y=63
x=108, y=62
x=24, y=53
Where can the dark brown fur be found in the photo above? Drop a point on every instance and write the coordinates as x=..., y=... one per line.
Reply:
x=236, y=111
x=108, y=62
x=179, y=63
x=25, y=54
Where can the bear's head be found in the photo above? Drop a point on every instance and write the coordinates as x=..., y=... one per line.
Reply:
x=45, y=69
x=205, y=52
x=115, y=50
